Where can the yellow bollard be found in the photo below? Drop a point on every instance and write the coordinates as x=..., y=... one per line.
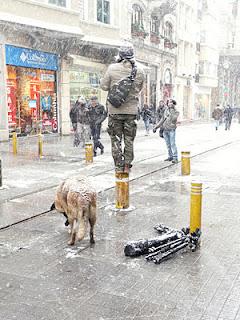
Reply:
x=122, y=190
x=185, y=163
x=14, y=142
x=89, y=152
x=40, y=145
x=196, y=206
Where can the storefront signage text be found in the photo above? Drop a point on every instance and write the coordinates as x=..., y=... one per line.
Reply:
x=23, y=57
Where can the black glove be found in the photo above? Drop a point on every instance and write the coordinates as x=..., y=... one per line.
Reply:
x=154, y=130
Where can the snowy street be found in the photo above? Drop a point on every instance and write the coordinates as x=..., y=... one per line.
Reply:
x=43, y=278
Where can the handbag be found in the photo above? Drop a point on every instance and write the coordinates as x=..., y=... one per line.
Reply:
x=119, y=92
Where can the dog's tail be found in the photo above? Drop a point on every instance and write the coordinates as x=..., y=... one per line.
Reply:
x=53, y=206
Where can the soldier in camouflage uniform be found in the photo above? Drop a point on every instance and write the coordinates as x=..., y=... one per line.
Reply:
x=122, y=124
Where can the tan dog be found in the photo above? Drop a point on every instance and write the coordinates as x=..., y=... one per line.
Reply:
x=76, y=199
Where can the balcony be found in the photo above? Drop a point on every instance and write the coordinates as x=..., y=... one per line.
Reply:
x=154, y=38
x=138, y=31
x=169, y=44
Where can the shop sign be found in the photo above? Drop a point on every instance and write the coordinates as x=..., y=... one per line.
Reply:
x=47, y=77
x=11, y=101
x=23, y=57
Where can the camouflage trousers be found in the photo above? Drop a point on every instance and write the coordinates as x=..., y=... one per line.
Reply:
x=122, y=127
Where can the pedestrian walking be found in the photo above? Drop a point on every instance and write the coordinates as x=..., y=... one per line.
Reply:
x=79, y=116
x=228, y=114
x=217, y=116
x=153, y=114
x=146, y=116
x=159, y=114
x=122, y=124
x=97, y=114
x=169, y=124
x=160, y=110
x=74, y=114
x=238, y=114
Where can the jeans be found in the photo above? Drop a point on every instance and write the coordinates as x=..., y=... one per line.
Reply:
x=228, y=123
x=217, y=123
x=147, y=124
x=169, y=137
x=95, y=133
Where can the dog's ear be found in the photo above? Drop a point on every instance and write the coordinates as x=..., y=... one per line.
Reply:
x=53, y=206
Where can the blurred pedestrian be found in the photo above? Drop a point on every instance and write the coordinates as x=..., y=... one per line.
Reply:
x=168, y=123
x=97, y=114
x=79, y=115
x=238, y=114
x=217, y=116
x=122, y=124
x=228, y=114
x=74, y=114
x=159, y=114
x=160, y=110
x=153, y=114
x=146, y=116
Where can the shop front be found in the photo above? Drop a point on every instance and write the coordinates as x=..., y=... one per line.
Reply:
x=31, y=90
x=84, y=79
x=201, y=106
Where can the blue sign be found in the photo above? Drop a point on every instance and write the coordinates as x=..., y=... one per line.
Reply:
x=23, y=57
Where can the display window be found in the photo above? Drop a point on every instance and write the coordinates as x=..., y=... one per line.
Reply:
x=83, y=83
x=32, y=100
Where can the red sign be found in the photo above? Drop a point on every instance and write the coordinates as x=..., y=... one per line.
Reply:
x=11, y=101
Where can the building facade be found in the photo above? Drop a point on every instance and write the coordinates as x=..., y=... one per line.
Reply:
x=32, y=51
x=53, y=51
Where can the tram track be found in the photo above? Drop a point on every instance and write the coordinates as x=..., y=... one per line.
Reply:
x=138, y=177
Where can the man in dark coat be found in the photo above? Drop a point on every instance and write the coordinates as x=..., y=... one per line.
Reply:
x=146, y=116
x=97, y=114
x=169, y=124
x=228, y=114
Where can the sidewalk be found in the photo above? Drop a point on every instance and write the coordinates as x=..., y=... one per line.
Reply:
x=42, y=278
x=25, y=175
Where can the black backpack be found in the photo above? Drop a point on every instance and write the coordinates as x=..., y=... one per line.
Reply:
x=119, y=92
x=74, y=113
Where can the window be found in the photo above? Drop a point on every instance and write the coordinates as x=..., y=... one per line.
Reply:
x=168, y=31
x=155, y=25
x=103, y=11
x=137, y=15
x=60, y=3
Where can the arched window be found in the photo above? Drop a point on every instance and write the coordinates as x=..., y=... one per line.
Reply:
x=137, y=15
x=155, y=23
x=168, y=31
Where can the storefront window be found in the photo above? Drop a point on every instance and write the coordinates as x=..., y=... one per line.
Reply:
x=32, y=100
x=84, y=83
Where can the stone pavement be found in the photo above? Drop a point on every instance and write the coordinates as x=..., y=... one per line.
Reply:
x=25, y=174
x=42, y=278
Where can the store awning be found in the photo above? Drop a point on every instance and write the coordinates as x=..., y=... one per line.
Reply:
x=103, y=42
x=61, y=29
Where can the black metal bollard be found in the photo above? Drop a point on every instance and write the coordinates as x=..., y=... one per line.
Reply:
x=139, y=247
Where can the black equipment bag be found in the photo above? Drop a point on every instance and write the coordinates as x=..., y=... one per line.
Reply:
x=119, y=92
